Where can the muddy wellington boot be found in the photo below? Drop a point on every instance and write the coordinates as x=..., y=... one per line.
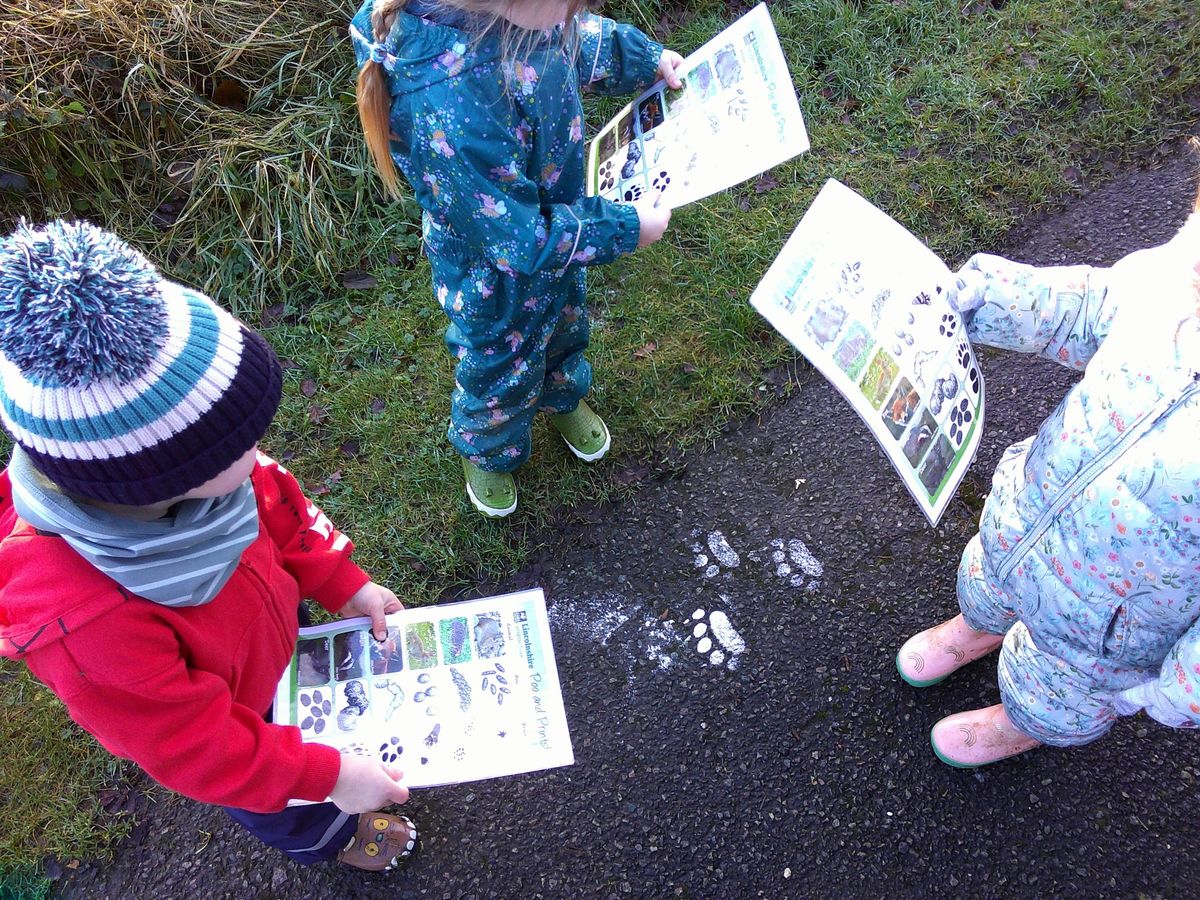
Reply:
x=928, y=657
x=977, y=737
x=584, y=431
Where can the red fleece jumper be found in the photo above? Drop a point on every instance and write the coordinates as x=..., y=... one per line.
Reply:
x=182, y=692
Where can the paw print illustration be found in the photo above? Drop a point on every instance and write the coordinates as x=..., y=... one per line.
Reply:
x=723, y=556
x=960, y=418
x=963, y=354
x=716, y=639
x=317, y=708
x=633, y=192
x=974, y=380
x=390, y=750
x=607, y=179
x=949, y=325
x=661, y=181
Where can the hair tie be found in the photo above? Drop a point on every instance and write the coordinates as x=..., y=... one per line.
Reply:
x=378, y=53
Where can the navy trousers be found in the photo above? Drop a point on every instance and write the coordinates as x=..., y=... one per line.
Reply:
x=308, y=834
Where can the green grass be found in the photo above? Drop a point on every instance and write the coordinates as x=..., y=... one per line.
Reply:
x=957, y=123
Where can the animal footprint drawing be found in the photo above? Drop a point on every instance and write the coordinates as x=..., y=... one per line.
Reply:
x=787, y=559
x=716, y=639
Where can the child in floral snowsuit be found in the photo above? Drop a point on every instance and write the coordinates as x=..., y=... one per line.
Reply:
x=1086, y=567
x=478, y=103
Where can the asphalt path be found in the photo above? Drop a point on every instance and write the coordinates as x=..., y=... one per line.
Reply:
x=798, y=764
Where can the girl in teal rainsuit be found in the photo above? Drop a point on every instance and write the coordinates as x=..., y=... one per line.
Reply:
x=478, y=104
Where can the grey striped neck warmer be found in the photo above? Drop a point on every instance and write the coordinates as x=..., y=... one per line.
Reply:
x=183, y=559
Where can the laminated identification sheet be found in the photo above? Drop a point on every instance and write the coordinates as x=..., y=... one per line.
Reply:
x=866, y=303
x=457, y=692
x=735, y=117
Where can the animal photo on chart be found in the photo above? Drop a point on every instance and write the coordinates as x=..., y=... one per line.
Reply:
x=312, y=662
x=421, y=645
x=937, y=464
x=386, y=655
x=900, y=408
x=348, y=650
x=706, y=84
x=729, y=67
x=678, y=99
x=650, y=112
x=489, y=635
x=456, y=640
x=878, y=379
x=920, y=438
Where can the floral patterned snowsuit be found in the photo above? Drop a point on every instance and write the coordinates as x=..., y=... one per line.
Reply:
x=1088, y=552
x=494, y=152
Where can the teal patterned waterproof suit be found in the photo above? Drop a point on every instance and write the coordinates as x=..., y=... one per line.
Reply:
x=1088, y=552
x=494, y=152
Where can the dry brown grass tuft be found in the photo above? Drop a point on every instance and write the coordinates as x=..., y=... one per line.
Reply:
x=219, y=136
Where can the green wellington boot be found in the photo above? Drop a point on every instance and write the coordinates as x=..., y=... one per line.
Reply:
x=492, y=493
x=584, y=431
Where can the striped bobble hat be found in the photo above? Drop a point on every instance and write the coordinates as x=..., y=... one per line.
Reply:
x=122, y=386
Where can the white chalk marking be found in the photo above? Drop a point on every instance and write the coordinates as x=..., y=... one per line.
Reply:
x=802, y=557
x=699, y=630
x=703, y=646
x=720, y=548
x=725, y=633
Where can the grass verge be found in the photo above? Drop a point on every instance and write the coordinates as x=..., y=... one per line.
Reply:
x=221, y=138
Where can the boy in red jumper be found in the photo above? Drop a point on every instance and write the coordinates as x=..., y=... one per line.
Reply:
x=151, y=561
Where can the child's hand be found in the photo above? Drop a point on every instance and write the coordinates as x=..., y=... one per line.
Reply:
x=375, y=601
x=667, y=64
x=652, y=222
x=365, y=785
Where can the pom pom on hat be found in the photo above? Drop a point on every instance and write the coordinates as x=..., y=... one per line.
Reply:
x=77, y=304
x=119, y=385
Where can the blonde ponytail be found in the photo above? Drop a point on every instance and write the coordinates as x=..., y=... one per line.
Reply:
x=374, y=101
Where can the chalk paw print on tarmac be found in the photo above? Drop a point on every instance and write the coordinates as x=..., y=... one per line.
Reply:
x=793, y=562
x=788, y=559
x=715, y=638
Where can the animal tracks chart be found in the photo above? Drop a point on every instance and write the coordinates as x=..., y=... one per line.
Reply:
x=457, y=692
x=867, y=304
x=735, y=116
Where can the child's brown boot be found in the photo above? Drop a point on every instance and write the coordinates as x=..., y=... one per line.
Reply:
x=381, y=842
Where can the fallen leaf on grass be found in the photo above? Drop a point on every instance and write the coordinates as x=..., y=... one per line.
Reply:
x=766, y=183
x=317, y=413
x=308, y=387
x=645, y=351
x=273, y=315
x=377, y=406
x=358, y=280
x=350, y=449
